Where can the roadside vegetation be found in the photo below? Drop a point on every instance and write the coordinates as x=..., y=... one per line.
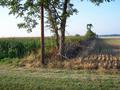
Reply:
x=81, y=52
x=27, y=50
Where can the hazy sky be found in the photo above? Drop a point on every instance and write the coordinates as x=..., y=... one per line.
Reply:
x=105, y=19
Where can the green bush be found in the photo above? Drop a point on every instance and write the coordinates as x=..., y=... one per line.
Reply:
x=90, y=34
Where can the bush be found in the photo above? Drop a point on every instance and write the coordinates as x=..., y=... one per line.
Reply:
x=77, y=35
x=90, y=34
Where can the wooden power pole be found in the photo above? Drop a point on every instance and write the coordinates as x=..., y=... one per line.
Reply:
x=42, y=34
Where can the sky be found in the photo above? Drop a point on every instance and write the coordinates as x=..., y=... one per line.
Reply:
x=105, y=19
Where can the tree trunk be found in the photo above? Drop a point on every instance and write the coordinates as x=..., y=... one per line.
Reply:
x=62, y=43
x=57, y=38
x=42, y=35
x=53, y=22
x=62, y=27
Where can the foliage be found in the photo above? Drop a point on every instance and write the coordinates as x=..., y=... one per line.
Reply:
x=90, y=34
x=77, y=35
x=29, y=10
x=10, y=61
x=20, y=47
x=17, y=47
x=98, y=2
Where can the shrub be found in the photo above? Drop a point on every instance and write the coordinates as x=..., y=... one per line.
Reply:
x=90, y=34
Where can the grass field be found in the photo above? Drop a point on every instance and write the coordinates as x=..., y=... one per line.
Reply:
x=55, y=79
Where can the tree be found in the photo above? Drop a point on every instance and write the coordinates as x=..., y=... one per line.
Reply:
x=58, y=13
x=89, y=33
x=53, y=20
x=89, y=26
x=29, y=11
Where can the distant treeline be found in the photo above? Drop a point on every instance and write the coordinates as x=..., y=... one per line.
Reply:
x=109, y=35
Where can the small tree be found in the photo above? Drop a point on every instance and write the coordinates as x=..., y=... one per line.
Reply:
x=89, y=26
x=89, y=33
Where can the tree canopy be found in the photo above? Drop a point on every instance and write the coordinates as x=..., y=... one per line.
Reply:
x=29, y=10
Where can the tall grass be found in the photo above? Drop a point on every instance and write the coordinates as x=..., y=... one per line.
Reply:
x=19, y=47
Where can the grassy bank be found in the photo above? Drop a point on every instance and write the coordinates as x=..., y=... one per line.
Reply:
x=54, y=79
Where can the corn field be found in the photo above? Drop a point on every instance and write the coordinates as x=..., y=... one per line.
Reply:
x=17, y=47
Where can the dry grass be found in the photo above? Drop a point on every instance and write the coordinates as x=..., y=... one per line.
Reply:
x=90, y=62
x=103, y=60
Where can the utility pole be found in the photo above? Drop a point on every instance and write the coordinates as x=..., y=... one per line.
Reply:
x=42, y=34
